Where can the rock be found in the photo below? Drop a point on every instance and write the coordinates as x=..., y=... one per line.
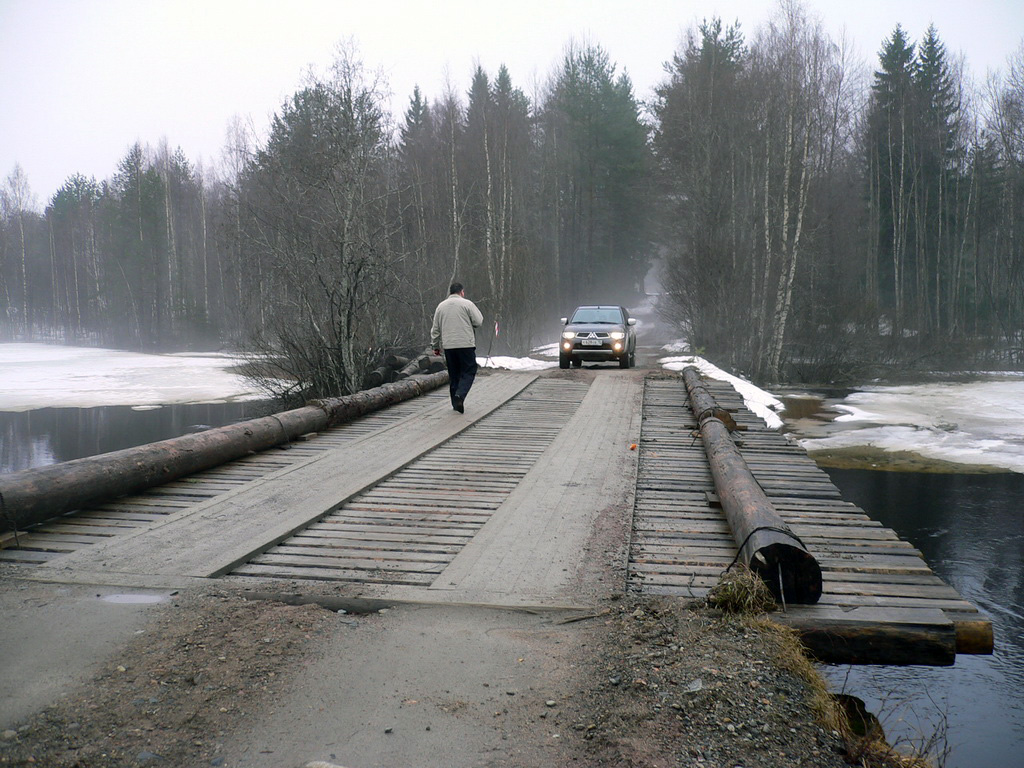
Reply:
x=8, y=735
x=549, y=703
x=145, y=757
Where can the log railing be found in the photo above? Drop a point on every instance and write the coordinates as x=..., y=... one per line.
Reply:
x=766, y=544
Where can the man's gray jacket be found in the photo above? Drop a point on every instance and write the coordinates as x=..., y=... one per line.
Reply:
x=454, y=321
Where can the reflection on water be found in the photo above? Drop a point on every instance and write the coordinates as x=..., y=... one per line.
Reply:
x=970, y=529
x=51, y=435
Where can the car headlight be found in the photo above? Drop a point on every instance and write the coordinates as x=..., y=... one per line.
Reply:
x=618, y=335
x=568, y=334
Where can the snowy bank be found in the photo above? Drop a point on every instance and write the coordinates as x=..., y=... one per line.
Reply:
x=760, y=402
x=45, y=375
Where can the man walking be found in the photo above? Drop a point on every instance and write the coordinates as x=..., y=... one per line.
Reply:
x=455, y=321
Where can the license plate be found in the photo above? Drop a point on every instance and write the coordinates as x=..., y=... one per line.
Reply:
x=591, y=342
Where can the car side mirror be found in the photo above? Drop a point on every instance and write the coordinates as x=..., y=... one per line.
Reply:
x=563, y=320
x=631, y=321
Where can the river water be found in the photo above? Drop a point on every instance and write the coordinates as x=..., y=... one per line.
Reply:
x=42, y=436
x=970, y=528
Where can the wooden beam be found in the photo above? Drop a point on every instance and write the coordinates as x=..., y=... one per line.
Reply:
x=869, y=635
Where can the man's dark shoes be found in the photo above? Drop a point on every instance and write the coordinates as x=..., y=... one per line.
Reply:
x=457, y=404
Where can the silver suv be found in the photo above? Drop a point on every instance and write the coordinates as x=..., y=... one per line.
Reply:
x=599, y=334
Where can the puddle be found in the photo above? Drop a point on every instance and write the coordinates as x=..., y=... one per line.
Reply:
x=133, y=599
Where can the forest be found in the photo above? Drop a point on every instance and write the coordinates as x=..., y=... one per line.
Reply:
x=813, y=218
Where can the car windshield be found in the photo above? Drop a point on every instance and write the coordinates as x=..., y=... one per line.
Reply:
x=597, y=315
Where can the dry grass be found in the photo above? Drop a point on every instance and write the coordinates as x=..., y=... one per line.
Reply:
x=741, y=591
x=866, y=750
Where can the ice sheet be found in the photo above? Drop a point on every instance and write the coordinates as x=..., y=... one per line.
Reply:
x=980, y=422
x=46, y=375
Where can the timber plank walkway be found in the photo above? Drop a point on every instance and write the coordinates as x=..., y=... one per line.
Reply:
x=875, y=586
x=531, y=498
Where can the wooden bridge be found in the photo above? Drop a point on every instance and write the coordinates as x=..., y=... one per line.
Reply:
x=551, y=491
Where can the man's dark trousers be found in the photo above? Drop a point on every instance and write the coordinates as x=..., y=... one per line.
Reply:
x=461, y=371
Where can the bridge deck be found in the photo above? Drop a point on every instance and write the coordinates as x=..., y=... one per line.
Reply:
x=527, y=499
x=879, y=596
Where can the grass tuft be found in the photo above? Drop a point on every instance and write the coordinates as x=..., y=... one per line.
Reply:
x=741, y=591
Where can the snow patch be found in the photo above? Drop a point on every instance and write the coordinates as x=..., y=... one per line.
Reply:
x=515, y=363
x=759, y=401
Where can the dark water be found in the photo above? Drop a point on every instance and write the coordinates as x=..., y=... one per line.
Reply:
x=51, y=435
x=970, y=529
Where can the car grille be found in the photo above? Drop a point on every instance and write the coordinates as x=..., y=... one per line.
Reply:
x=590, y=335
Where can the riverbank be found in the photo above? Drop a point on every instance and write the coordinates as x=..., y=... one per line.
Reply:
x=210, y=678
x=963, y=426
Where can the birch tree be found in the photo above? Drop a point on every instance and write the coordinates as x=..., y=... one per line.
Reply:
x=17, y=203
x=800, y=60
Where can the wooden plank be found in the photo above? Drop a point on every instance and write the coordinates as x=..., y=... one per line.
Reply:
x=383, y=538
x=405, y=528
x=405, y=525
x=326, y=555
x=105, y=531
x=134, y=517
x=333, y=574
x=957, y=603
x=67, y=542
x=382, y=565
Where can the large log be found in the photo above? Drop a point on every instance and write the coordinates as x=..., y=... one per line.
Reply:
x=766, y=544
x=869, y=635
x=35, y=495
x=414, y=366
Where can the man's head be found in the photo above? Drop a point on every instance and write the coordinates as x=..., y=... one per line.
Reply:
x=456, y=288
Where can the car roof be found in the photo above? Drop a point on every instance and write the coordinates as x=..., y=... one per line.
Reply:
x=599, y=306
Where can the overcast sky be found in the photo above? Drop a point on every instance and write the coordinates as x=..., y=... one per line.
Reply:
x=82, y=80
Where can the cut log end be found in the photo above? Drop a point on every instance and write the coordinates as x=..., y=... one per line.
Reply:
x=791, y=573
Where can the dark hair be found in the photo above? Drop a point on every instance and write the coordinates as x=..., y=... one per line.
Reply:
x=456, y=288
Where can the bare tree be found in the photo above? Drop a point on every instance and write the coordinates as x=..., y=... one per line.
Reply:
x=16, y=203
x=319, y=214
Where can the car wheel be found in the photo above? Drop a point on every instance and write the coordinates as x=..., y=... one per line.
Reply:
x=624, y=361
x=563, y=361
